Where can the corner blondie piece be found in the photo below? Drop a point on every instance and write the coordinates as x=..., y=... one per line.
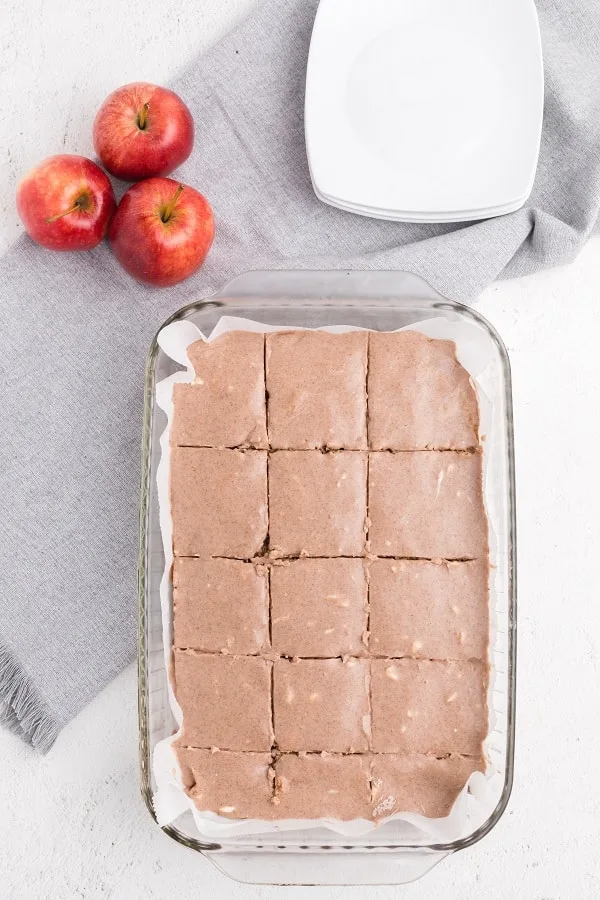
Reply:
x=234, y=785
x=225, y=405
x=434, y=402
x=419, y=784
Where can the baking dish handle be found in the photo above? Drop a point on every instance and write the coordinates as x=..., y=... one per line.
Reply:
x=326, y=866
x=278, y=284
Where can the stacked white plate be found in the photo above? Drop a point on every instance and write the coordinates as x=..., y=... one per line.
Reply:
x=424, y=110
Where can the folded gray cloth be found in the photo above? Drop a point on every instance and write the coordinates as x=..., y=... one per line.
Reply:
x=76, y=329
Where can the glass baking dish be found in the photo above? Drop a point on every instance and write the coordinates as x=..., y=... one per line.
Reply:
x=374, y=300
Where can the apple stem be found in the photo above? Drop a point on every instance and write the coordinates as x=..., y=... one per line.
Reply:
x=169, y=208
x=79, y=204
x=141, y=121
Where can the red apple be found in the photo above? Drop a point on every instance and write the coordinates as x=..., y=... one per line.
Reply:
x=142, y=130
x=162, y=231
x=66, y=203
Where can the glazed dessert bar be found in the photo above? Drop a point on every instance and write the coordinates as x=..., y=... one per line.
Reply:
x=330, y=577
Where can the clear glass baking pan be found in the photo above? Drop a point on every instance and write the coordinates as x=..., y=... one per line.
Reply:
x=374, y=300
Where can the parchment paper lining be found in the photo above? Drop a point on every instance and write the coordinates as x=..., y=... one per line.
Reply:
x=480, y=795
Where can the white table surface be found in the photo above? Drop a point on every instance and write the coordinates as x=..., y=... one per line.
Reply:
x=72, y=823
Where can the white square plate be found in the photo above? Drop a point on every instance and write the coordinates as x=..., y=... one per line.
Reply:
x=427, y=106
x=466, y=215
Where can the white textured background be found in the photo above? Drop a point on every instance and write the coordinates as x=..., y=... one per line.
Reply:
x=72, y=824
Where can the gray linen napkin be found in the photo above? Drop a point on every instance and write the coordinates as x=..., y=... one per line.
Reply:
x=75, y=330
